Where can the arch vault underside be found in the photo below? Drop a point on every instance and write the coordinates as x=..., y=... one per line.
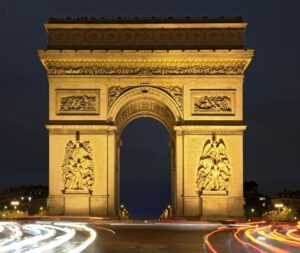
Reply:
x=196, y=93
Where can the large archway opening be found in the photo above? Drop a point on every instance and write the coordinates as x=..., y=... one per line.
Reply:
x=145, y=168
x=149, y=115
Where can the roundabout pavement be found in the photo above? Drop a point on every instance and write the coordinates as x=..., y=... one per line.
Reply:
x=105, y=236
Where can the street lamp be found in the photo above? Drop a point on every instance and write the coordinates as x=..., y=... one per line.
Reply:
x=15, y=204
x=28, y=207
x=278, y=206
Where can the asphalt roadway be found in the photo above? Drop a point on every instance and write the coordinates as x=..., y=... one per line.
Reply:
x=105, y=236
x=150, y=238
x=189, y=237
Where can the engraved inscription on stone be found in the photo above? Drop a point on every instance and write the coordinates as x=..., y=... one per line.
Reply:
x=213, y=172
x=78, y=166
x=77, y=101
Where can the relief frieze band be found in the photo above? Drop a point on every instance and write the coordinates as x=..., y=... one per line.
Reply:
x=77, y=101
x=139, y=67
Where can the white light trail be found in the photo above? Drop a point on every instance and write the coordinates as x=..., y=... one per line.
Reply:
x=69, y=234
x=44, y=237
x=29, y=241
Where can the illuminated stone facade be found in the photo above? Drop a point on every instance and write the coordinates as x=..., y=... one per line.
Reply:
x=186, y=73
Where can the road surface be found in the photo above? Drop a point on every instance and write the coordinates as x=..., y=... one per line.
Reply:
x=153, y=237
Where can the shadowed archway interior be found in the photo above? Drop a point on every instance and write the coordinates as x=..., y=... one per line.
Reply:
x=145, y=168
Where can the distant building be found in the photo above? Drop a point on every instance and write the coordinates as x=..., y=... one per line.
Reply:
x=256, y=203
x=288, y=198
x=29, y=199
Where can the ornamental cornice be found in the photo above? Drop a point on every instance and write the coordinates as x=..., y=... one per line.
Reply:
x=84, y=129
x=68, y=54
x=208, y=129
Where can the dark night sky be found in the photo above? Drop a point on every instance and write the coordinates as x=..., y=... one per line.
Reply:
x=271, y=94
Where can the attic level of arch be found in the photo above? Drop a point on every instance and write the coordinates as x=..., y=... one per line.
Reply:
x=141, y=34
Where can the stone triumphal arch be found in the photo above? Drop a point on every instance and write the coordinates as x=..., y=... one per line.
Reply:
x=187, y=73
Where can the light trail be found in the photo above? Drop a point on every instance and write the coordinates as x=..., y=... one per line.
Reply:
x=292, y=233
x=257, y=237
x=45, y=237
x=208, y=236
x=245, y=243
x=258, y=240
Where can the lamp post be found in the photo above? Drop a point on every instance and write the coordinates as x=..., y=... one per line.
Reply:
x=28, y=207
x=278, y=206
x=15, y=204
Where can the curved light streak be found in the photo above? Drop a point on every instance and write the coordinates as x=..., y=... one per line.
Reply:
x=43, y=237
x=259, y=237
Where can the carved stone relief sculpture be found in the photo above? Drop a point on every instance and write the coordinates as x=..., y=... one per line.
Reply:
x=213, y=104
x=114, y=92
x=176, y=93
x=213, y=101
x=77, y=101
x=78, y=166
x=213, y=172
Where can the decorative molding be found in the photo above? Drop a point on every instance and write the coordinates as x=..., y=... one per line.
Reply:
x=84, y=129
x=77, y=101
x=144, y=67
x=209, y=128
x=142, y=20
x=176, y=92
x=213, y=172
x=145, y=107
x=214, y=102
x=78, y=167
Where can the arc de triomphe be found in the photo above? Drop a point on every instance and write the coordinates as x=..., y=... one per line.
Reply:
x=187, y=73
